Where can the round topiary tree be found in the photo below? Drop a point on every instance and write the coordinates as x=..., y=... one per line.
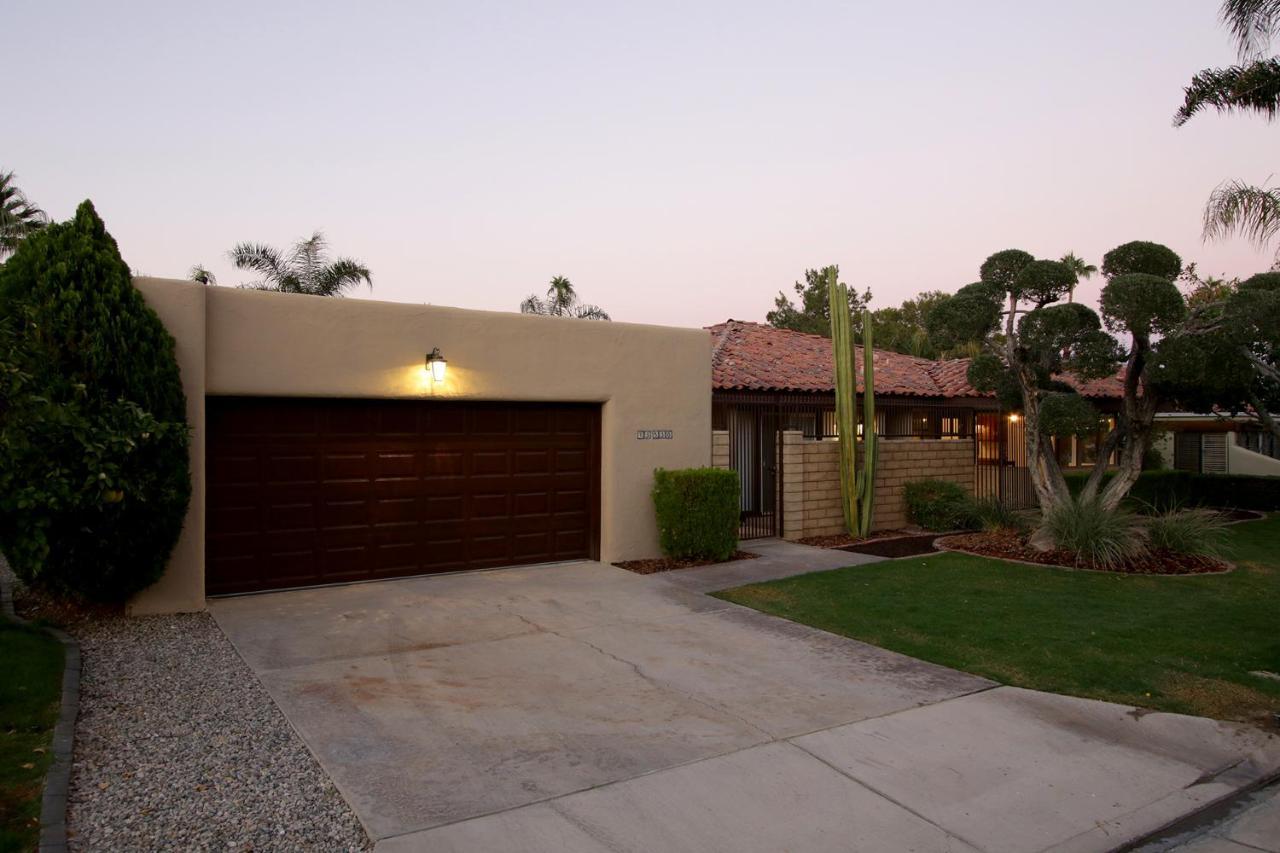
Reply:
x=94, y=471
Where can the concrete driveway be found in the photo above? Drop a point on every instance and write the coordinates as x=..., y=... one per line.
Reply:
x=581, y=707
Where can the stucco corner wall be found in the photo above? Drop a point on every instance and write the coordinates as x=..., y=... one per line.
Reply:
x=181, y=307
x=252, y=343
x=1242, y=460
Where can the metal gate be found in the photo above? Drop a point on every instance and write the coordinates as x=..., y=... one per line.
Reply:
x=756, y=454
x=1000, y=459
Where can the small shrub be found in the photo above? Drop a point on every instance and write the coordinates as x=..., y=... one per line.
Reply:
x=940, y=505
x=1187, y=531
x=992, y=515
x=697, y=510
x=1097, y=537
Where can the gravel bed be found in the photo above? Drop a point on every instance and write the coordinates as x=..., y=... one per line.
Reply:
x=179, y=747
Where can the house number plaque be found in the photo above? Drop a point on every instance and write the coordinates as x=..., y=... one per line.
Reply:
x=654, y=434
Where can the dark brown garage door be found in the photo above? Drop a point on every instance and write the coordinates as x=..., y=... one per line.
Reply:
x=304, y=492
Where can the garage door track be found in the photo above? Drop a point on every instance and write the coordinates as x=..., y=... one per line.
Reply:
x=581, y=707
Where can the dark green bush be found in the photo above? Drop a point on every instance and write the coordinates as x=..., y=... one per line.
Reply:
x=697, y=511
x=1168, y=489
x=940, y=505
x=94, y=472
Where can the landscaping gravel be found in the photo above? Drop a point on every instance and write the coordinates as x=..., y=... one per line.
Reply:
x=179, y=747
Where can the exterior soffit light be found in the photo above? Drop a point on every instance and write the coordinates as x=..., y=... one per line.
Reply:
x=436, y=365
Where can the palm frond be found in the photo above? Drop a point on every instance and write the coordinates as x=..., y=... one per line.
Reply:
x=1252, y=24
x=533, y=304
x=590, y=312
x=201, y=275
x=259, y=258
x=308, y=258
x=338, y=277
x=19, y=217
x=1253, y=87
x=1236, y=208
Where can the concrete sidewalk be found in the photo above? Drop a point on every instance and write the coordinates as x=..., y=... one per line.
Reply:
x=581, y=707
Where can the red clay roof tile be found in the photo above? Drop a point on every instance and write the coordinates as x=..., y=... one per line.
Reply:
x=756, y=357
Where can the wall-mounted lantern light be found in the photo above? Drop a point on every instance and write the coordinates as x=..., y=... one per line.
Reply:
x=436, y=365
x=1013, y=417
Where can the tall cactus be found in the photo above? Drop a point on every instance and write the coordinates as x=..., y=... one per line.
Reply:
x=866, y=482
x=857, y=488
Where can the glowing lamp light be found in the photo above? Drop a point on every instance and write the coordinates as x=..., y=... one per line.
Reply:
x=436, y=365
x=1013, y=418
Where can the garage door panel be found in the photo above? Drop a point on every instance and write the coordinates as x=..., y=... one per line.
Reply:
x=291, y=467
x=318, y=491
x=337, y=467
x=531, y=503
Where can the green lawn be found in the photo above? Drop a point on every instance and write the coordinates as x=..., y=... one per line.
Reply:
x=1185, y=644
x=30, y=688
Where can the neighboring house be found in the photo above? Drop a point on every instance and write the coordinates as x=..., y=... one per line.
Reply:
x=771, y=386
x=1217, y=444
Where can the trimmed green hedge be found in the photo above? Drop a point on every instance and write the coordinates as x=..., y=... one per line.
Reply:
x=697, y=511
x=1165, y=489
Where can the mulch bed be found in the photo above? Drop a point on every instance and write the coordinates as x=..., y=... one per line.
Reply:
x=1010, y=546
x=667, y=564
x=897, y=546
x=840, y=540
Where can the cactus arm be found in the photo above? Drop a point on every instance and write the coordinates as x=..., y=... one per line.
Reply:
x=867, y=492
x=846, y=427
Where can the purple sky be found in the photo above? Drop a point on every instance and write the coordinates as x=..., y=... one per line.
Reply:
x=679, y=162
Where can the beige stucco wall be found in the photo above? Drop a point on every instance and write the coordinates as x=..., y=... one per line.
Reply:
x=1242, y=460
x=811, y=480
x=244, y=342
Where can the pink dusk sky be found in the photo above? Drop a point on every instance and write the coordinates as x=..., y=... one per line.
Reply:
x=679, y=162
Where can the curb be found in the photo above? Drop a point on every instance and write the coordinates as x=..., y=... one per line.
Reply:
x=57, y=782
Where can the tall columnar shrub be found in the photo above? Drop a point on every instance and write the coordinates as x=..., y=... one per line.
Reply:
x=94, y=472
x=697, y=510
x=857, y=488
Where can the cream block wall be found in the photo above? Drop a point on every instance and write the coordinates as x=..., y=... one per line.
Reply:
x=811, y=480
x=244, y=342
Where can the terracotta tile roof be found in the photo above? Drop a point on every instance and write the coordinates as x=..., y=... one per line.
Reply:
x=755, y=357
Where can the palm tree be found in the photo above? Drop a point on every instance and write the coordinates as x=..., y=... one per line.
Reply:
x=200, y=275
x=18, y=216
x=1237, y=208
x=561, y=301
x=307, y=269
x=1077, y=265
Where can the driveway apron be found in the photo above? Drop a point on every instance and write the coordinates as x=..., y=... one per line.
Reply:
x=582, y=707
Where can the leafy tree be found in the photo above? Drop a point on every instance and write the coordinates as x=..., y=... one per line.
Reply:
x=200, y=275
x=1204, y=290
x=19, y=217
x=94, y=475
x=307, y=269
x=903, y=329
x=561, y=300
x=813, y=314
x=1080, y=268
x=1236, y=207
x=1029, y=339
x=1227, y=355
